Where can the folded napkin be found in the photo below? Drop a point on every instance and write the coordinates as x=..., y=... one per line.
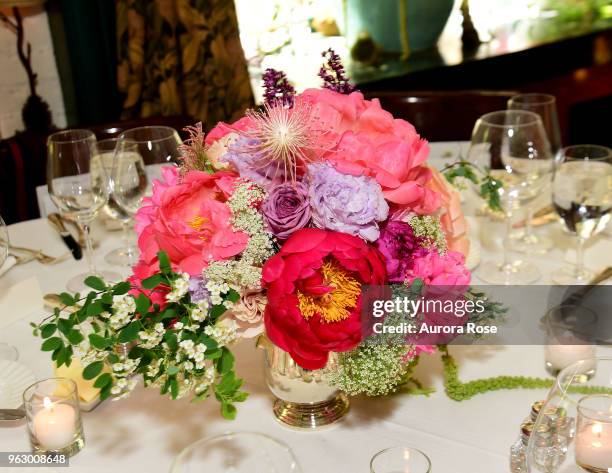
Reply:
x=19, y=301
x=8, y=264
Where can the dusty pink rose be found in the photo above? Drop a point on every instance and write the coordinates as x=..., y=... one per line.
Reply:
x=189, y=220
x=371, y=142
x=248, y=313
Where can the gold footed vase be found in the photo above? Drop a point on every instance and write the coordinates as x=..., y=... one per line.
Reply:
x=304, y=400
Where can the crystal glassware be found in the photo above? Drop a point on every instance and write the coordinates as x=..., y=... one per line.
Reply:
x=513, y=146
x=575, y=421
x=582, y=196
x=4, y=242
x=546, y=107
x=238, y=452
x=127, y=254
x=400, y=459
x=78, y=186
x=53, y=417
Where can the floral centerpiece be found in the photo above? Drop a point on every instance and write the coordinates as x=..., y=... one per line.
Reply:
x=273, y=225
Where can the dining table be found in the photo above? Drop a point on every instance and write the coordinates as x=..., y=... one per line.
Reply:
x=146, y=431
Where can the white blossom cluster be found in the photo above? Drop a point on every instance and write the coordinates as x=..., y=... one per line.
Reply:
x=123, y=307
x=194, y=352
x=123, y=372
x=180, y=286
x=238, y=273
x=152, y=337
x=200, y=311
x=223, y=333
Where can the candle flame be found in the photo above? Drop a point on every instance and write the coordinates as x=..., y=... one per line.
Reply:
x=47, y=403
x=597, y=428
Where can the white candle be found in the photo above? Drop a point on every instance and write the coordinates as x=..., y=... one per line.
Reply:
x=54, y=425
x=594, y=445
x=561, y=356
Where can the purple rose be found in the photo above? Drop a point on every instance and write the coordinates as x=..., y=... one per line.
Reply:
x=287, y=209
x=399, y=245
x=345, y=203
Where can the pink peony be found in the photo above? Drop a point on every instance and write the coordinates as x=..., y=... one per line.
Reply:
x=435, y=269
x=371, y=142
x=222, y=129
x=189, y=220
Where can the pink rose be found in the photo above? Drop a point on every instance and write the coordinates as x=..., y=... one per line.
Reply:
x=371, y=142
x=248, y=313
x=190, y=221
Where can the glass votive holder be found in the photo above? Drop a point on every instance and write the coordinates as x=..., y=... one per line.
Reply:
x=400, y=459
x=569, y=337
x=53, y=417
x=594, y=433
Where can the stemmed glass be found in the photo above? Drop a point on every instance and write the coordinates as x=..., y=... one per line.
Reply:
x=78, y=186
x=546, y=107
x=398, y=459
x=125, y=255
x=582, y=196
x=4, y=242
x=513, y=146
x=139, y=156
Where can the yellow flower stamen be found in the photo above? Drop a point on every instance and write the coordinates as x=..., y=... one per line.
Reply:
x=337, y=304
x=198, y=223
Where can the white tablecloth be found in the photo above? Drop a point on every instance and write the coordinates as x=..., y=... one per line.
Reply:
x=146, y=431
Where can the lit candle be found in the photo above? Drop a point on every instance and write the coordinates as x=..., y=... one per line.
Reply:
x=594, y=446
x=561, y=356
x=55, y=425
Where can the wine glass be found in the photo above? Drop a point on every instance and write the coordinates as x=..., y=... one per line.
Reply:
x=4, y=242
x=546, y=107
x=78, y=186
x=127, y=254
x=397, y=459
x=513, y=146
x=582, y=196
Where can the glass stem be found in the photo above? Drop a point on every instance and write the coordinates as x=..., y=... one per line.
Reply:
x=580, y=257
x=506, y=242
x=528, y=226
x=88, y=248
x=126, y=237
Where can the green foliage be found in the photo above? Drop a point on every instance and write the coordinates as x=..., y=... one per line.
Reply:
x=489, y=187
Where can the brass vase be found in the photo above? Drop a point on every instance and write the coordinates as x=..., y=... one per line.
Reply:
x=303, y=399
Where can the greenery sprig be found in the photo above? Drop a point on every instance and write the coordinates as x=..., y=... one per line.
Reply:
x=181, y=346
x=489, y=186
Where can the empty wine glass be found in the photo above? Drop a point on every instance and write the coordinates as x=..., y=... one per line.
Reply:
x=127, y=254
x=78, y=186
x=398, y=459
x=4, y=242
x=546, y=107
x=513, y=146
x=582, y=196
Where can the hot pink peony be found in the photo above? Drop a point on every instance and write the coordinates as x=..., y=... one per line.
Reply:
x=371, y=142
x=189, y=220
x=435, y=269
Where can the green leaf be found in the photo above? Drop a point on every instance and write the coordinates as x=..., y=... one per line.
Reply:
x=105, y=392
x=93, y=369
x=174, y=388
x=75, y=337
x=143, y=303
x=228, y=410
x=172, y=370
x=170, y=338
x=64, y=326
x=152, y=282
x=217, y=311
x=47, y=330
x=104, y=380
x=226, y=362
x=67, y=299
x=98, y=341
x=95, y=308
x=95, y=283
x=164, y=262
x=232, y=296
x=121, y=288
x=129, y=333
x=52, y=344
x=106, y=298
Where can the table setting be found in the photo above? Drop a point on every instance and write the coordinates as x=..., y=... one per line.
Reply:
x=210, y=305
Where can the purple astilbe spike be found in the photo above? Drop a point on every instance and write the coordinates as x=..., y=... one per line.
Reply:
x=333, y=74
x=277, y=88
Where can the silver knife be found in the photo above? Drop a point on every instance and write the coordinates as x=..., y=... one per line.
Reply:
x=12, y=414
x=71, y=243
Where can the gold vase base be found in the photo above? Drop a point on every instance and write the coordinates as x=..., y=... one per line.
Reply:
x=311, y=416
x=593, y=469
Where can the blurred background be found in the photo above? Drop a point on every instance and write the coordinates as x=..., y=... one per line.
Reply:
x=111, y=65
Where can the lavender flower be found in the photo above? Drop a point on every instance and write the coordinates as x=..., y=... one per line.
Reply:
x=197, y=289
x=277, y=88
x=250, y=164
x=333, y=74
x=287, y=209
x=345, y=203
